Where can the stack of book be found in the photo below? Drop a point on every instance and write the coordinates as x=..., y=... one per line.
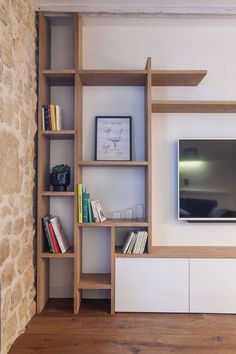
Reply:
x=56, y=239
x=51, y=117
x=136, y=242
x=88, y=210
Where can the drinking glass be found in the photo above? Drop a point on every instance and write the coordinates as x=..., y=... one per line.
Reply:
x=139, y=211
x=129, y=213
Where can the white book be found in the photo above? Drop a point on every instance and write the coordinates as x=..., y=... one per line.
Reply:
x=58, y=111
x=43, y=119
x=144, y=242
x=100, y=211
x=138, y=242
x=132, y=243
x=95, y=213
x=61, y=237
x=127, y=242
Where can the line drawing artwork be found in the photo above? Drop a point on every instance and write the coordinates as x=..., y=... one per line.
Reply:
x=113, y=138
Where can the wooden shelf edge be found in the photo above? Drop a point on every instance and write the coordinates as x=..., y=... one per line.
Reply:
x=58, y=71
x=58, y=134
x=68, y=254
x=177, y=77
x=113, y=163
x=114, y=223
x=95, y=281
x=57, y=194
x=194, y=106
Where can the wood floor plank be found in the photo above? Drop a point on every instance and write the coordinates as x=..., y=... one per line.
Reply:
x=95, y=331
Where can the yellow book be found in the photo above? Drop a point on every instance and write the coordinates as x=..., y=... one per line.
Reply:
x=80, y=193
x=53, y=117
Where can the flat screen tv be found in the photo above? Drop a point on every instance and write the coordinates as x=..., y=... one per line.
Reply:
x=207, y=179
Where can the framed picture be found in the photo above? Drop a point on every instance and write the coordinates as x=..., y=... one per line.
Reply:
x=113, y=138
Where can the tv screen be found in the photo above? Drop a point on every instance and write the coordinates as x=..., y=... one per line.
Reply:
x=207, y=179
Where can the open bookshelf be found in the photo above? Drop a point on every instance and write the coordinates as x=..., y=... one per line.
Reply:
x=63, y=79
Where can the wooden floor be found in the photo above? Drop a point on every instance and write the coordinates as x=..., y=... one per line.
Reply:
x=95, y=331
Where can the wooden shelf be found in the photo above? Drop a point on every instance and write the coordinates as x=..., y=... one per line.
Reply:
x=57, y=194
x=113, y=77
x=68, y=254
x=116, y=223
x=177, y=77
x=59, y=134
x=184, y=252
x=59, y=77
x=95, y=281
x=119, y=253
x=113, y=163
x=194, y=107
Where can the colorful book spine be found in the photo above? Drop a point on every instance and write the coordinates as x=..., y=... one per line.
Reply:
x=45, y=221
x=43, y=119
x=85, y=207
x=53, y=118
x=54, y=240
x=80, y=206
x=90, y=212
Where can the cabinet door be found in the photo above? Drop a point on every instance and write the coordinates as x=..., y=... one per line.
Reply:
x=213, y=285
x=152, y=285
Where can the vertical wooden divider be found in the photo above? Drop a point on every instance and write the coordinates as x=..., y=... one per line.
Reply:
x=148, y=150
x=78, y=156
x=43, y=205
x=113, y=235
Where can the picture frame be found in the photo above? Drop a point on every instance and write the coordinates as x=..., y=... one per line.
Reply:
x=113, y=138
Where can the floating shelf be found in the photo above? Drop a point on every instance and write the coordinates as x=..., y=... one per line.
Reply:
x=59, y=134
x=177, y=77
x=194, y=107
x=113, y=163
x=57, y=194
x=68, y=254
x=116, y=223
x=59, y=77
x=113, y=77
x=95, y=281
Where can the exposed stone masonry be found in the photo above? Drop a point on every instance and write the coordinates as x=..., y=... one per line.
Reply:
x=17, y=172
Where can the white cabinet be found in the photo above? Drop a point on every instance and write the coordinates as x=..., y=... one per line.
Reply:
x=152, y=285
x=213, y=285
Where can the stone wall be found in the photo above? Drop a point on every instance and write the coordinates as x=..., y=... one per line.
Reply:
x=17, y=172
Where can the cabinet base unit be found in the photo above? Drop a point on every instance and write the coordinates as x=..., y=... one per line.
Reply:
x=212, y=285
x=152, y=285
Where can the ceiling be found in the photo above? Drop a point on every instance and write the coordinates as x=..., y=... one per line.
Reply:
x=154, y=7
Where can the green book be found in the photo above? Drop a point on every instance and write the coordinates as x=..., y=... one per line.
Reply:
x=90, y=213
x=85, y=207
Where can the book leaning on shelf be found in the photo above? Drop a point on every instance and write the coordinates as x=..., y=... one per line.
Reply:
x=54, y=234
x=135, y=242
x=88, y=210
x=51, y=117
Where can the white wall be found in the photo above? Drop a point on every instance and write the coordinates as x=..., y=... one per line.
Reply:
x=173, y=44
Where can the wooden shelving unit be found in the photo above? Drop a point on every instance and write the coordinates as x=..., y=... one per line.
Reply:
x=78, y=77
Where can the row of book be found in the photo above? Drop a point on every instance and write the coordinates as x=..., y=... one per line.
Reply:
x=51, y=117
x=88, y=210
x=56, y=238
x=136, y=242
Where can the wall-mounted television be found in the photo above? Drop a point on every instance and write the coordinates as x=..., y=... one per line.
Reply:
x=207, y=179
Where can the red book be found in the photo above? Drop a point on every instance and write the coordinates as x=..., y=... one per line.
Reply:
x=54, y=240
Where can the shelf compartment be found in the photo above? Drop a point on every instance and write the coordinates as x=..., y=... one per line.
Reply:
x=68, y=254
x=59, y=134
x=95, y=281
x=116, y=223
x=59, y=77
x=113, y=77
x=113, y=163
x=177, y=77
x=57, y=194
x=194, y=107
